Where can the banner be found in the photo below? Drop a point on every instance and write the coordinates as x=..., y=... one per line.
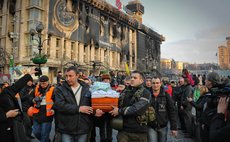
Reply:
x=20, y=71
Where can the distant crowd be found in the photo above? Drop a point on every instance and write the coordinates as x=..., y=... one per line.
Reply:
x=148, y=109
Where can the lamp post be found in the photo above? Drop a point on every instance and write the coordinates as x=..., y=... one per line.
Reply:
x=14, y=37
x=38, y=31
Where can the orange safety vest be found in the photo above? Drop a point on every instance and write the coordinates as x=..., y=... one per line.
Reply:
x=49, y=101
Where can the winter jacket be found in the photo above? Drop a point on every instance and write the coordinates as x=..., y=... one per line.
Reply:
x=219, y=129
x=165, y=110
x=132, y=108
x=8, y=102
x=68, y=119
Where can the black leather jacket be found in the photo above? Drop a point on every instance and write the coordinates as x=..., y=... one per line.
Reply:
x=68, y=119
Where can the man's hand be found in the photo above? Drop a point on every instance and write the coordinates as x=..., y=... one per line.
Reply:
x=32, y=71
x=99, y=112
x=86, y=109
x=222, y=105
x=174, y=133
x=12, y=113
x=189, y=99
x=114, y=112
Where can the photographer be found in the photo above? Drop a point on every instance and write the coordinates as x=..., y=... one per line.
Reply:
x=209, y=109
x=219, y=128
x=43, y=112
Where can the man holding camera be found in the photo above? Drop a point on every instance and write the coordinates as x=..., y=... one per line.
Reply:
x=43, y=112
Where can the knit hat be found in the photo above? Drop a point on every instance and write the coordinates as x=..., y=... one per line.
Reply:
x=4, y=79
x=148, y=77
x=44, y=78
x=105, y=76
x=214, y=78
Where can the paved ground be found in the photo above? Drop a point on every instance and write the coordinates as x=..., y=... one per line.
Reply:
x=180, y=137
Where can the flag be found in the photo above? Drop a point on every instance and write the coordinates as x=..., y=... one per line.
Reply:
x=118, y=4
x=11, y=61
x=127, y=69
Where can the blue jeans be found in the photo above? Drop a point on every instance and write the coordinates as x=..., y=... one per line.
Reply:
x=74, y=138
x=42, y=130
x=159, y=135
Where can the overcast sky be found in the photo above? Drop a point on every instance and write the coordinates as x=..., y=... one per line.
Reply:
x=193, y=28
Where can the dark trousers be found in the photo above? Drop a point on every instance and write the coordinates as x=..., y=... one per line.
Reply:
x=182, y=123
x=28, y=124
x=6, y=136
x=132, y=137
x=105, y=131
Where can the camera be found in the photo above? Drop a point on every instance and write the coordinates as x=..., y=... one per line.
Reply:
x=39, y=72
x=222, y=90
x=38, y=101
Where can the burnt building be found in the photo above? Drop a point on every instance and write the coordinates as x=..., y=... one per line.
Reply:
x=91, y=34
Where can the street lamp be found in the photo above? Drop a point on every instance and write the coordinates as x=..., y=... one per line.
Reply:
x=14, y=36
x=39, y=29
x=39, y=59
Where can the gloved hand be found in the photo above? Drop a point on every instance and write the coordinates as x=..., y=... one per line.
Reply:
x=37, y=99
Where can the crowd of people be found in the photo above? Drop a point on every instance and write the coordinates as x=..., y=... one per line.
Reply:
x=148, y=106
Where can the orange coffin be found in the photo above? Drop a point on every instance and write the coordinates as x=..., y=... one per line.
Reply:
x=104, y=104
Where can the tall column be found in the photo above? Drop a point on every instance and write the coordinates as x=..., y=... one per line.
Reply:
x=68, y=49
x=102, y=57
x=76, y=47
x=81, y=52
x=92, y=53
x=52, y=47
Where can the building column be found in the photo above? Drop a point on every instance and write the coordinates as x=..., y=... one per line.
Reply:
x=92, y=53
x=102, y=57
x=76, y=51
x=81, y=52
x=68, y=49
x=52, y=48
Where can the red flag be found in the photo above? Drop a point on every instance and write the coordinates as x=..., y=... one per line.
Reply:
x=118, y=4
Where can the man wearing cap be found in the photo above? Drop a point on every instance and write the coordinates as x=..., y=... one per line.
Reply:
x=43, y=112
x=148, y=83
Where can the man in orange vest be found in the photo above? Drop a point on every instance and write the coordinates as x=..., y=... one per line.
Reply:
x=43, y=112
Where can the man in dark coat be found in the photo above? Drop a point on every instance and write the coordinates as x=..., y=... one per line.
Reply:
x=131, y=107
x=73, y=111
x=165, y=112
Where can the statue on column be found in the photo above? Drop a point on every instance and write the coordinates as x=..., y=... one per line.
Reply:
x=71, y=5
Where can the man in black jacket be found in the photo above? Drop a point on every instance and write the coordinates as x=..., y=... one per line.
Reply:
x=9, y=108
x=220, y=127
x=130, y=108
x=26, y=95
x=73, y=108
x=165, y=112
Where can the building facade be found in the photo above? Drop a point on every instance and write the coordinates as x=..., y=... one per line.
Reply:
x=90, y=34
x=224, y=55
